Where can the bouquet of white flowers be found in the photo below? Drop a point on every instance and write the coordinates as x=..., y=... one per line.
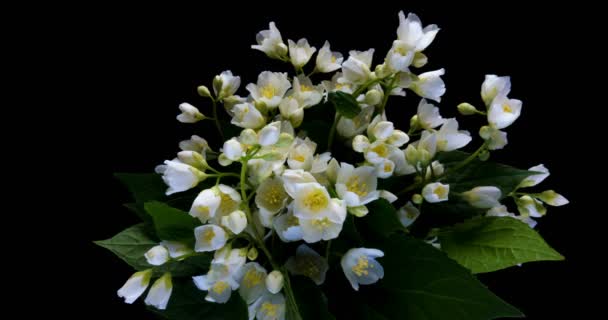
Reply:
x=316, y=206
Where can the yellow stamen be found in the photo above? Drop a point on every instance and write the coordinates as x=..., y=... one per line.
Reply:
x=305, y=88
x=321, y=224
x=219, y=287
x=315, y=200
x=360, y=269
x=357, y=187
x=252, y=278
x=269, y=309
x=268, y=91
x=381, y=150
x=441, y=191
x=208, y=235
x=507, y=108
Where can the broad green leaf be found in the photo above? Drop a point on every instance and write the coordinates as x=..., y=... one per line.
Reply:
x=310, y=299
x=171, y=223
x=130, y=245
x=381, y=221
x=345, y=104
x=421, y=282
x=493, y=243
x=188, y=303
x=480, y=173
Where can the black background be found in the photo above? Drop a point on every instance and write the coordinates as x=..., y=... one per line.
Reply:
x=134, y=66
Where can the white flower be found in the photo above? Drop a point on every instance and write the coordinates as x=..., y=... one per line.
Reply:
x=230, y=200
x=337, y=83
x=252, y=284
x=271, y=196
x=288, y=227
x=357, y=186
x=497, y=138
x=271, y=307
x=530, y=207
x=307, y=94
x=270, y=134
x=449, y=138
x=225, y=84
x=400, y=57
x=301, y=154
x=300, y=53
x=179, y=176
x=435, y=192
x=274, y=281
x=246, y=115
x=494, y=86
x=360, y=267
x=552, y=198
x=503, y=112
x=157, y=255
x=411, y=32
x=312, y=201
x=428, y=115
x=408, y=214
x=205, y=205
x=192, y=158
x=233, y=150
x=135, y=286
x=483, y=197
x=356, y=69
x=270, y=88
x=190, y=114
x=328, y=61
x=309, y=263
x=430, y=85
x=176, y=249
x=270, y=42
x=348, y=128
x=535, y=179
x=291, y=178
x=235, y=221
x=291, y=110
x=218, y=283
x=323, y=228
x=209, y=238
x=196, y=144
x=160, y=292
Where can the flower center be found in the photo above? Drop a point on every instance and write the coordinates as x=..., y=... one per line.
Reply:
x=441, y=191
x=220, y=287
x=268, y=91
x=252, y=278
x=507, y=108
x=316, y=200
x=357, y=187
x=269, y=309
x=321, y=224
x=362, y=266
x=381, y=150
x=305, y=88
x=208, y=235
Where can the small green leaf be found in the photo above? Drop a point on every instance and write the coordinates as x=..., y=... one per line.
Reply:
x=130, y=245
x=188, y=303
x=421, y=282
x=493, y=243
x=171, y=223
x=345, y=104
x=311, y=301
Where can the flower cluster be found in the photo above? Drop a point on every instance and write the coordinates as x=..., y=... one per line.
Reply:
x=274, y=180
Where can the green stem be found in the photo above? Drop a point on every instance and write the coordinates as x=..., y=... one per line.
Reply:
x=365, y=86
x=470, y=158
x=332, y=131
x=327, y=250
x=260, y=242
x=224, y=174
x=387, y=93
x=216, y=119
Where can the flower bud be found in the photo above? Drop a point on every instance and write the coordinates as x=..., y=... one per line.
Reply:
x=466, y=109
x=203, y=91
x=274, y=281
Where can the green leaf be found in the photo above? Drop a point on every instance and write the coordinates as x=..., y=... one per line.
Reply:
x=345, y=104
x=381, y=221
x=480, y=173
x=143, y=186
x=493, y=243
x=421, y=282
x=311, y=301
x=130, y=245
x=188, y=303
x=171, y=223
